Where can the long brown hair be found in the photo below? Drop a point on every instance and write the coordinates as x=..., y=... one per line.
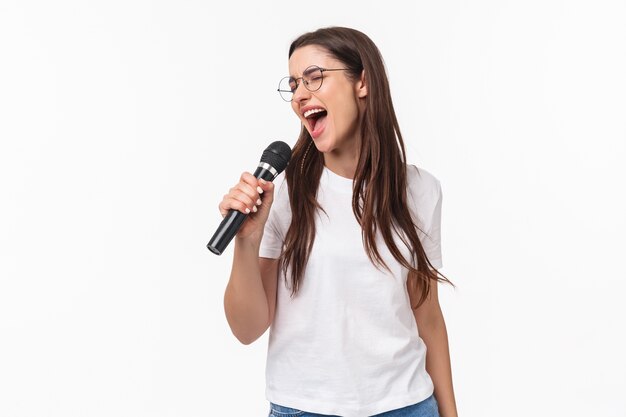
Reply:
x=380, y=178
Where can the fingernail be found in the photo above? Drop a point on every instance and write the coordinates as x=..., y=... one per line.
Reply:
x=254, y=209
x=259, y=189
x=258, y=202
x=247, y=210
x=262, y=181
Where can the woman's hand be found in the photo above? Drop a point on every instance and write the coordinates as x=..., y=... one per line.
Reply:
x=255, y=202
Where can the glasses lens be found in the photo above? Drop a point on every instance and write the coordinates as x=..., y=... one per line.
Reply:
x=313, y=78
x=286, y=87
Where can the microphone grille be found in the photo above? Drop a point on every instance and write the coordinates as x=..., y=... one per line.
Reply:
x=277, y=154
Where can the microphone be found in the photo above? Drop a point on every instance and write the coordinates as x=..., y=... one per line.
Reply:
x=273, y=161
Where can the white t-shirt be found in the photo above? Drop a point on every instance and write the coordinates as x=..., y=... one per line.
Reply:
x=347, y=344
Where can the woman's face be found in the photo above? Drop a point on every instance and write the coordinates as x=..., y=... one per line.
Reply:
x=337, y=130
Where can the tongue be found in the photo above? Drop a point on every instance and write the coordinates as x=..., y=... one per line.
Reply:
x=319, y=124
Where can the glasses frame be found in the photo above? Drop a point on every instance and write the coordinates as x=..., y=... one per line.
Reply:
x=306, y=83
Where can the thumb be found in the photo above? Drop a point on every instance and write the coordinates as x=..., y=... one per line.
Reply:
x=267, y=198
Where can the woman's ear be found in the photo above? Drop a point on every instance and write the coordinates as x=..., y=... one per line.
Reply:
x=361, y=87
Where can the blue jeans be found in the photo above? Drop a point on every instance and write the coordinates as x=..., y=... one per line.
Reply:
x=426, y=408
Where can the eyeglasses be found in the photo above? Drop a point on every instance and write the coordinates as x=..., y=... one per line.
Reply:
x=313, y=77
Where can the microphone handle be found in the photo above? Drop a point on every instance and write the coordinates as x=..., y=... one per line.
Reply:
x=230, y=225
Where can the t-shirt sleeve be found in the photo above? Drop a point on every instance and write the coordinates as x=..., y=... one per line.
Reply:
x=273, y=234
x=272, y=241
x=432, y=240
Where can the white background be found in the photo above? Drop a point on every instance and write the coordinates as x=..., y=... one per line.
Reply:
x=123, y=123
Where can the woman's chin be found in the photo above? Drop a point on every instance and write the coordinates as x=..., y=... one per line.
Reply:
x=323, y=146
x=322, y=141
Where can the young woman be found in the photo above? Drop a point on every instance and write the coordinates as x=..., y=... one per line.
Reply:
x=339, y=255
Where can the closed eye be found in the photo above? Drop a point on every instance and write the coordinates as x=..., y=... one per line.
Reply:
x=293, y=84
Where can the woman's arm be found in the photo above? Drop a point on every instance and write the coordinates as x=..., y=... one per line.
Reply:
x=432, y=329
x=250, y=294
x=245, y=299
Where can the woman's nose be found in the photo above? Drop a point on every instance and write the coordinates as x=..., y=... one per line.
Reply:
x=301, y=93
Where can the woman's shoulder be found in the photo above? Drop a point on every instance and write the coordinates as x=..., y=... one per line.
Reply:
x=422, y=183
x=424, y=195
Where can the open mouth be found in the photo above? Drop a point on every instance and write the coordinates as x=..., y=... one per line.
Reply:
x=316, y=119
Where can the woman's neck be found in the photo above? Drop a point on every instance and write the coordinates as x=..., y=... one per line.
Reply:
x=341, y=166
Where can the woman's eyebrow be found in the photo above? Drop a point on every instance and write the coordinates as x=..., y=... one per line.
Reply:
x=309, y=71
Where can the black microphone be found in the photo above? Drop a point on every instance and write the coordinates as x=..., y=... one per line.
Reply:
x=273, y=161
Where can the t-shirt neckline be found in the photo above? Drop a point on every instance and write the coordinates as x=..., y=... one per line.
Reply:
x=336, y=181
